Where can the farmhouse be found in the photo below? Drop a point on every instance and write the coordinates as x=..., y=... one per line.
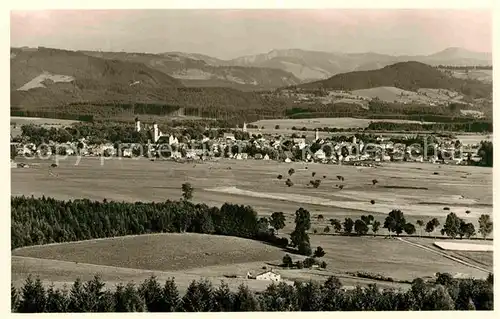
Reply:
x=266, y=275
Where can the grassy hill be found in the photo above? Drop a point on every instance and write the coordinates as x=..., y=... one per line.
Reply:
x=69, y=82
x=404, y=75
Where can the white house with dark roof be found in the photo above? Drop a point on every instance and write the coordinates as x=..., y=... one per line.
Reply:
x=266, y=275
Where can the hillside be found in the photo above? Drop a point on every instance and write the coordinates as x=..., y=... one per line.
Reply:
x=203, y=71
x=409, y=76
x=51, y=82
x=309, y=65
x=49, y=77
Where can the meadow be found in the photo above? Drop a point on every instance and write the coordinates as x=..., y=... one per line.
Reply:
x=411, y=187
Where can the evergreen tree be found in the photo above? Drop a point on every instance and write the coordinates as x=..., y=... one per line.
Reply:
x=152, y=294
x=57, y=300
x=34, y=298
x=14, y=298
x=77, y=297
x=223, y=298
x=171, y=296
x=299, y=236
x=309, y=296
x=245, y=300
x=199, y=297
x=128, y=299
x=331, y=294
x=93, y=290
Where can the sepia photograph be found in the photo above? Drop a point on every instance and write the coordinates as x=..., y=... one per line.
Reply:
x=251, y=160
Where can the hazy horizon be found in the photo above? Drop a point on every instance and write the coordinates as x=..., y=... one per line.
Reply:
x=227, y=34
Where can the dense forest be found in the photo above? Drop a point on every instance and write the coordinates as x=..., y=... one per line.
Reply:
x=46, y=220
x=409, y=75
x=445, y=293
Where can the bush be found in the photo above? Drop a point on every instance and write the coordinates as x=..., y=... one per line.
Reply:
x=319, y=252
x=309, y=262
x=323, y=265
x=287, y=261
x=277, y=127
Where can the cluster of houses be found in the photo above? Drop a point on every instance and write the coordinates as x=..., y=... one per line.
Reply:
x=269, y=147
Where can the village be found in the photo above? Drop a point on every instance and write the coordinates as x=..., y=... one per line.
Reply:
x=348, y=150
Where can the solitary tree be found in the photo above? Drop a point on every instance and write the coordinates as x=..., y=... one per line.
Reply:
x=315, y=183
x=485, y=225
x=367, y=219
x=320, y=218
x=409, y=229
x=348, y=225
x=360, y=227
x=337, y=226
x=187, y=191
x=486, y=153
x=431, y=225
x=291, y=171
x=374, y=181
x=277, y=221
x=466, y=229
x=395, y=222
x=289, y=183
x=319, y=252
x=299, y=236
x=451, y=226
x=287, y=261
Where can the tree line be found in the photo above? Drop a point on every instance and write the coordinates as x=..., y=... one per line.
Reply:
x=445, y=293
x=37, y=221
x=395, y=222
x=473, y=127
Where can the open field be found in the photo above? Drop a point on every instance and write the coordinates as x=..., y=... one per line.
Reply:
x=254, y=183
x=485, y=76
x=339, y=122
x=483, y=259
x=134, y=258
x=18, y=120
x=62, y=273
x=162, y=252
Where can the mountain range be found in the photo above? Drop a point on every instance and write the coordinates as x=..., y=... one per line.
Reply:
x=113, y=83
x=275, y=69
x=314, y=65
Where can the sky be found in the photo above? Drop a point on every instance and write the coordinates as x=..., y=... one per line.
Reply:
x=228, y=34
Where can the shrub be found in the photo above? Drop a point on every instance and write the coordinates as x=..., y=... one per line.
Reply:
x=319, y=252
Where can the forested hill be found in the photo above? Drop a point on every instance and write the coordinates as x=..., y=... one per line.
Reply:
x=404, y=75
